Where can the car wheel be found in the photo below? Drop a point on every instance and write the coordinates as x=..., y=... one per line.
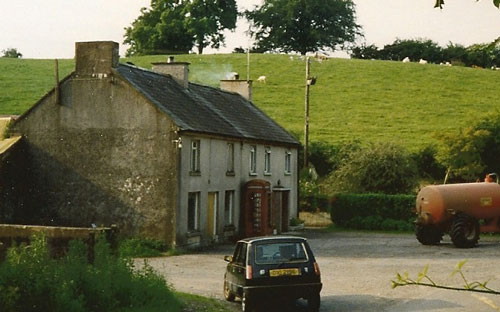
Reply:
x=314, y=302
x=246, y=303
x=228, y=294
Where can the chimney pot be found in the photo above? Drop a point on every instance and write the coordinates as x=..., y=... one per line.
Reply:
x=178, y=70
x=242, y=87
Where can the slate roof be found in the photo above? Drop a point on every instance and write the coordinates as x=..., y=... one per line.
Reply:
x=205, y=109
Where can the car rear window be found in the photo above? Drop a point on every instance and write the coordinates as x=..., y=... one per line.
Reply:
x=278, y=252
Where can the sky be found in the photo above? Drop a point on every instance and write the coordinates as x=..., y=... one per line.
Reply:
x=49, y=28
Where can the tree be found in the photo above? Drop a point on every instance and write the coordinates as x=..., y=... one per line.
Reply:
x=303, y=25
x=460, y=153
x=207, y=19
x=12, y=53
x=471, y=152
x=159, y=30
x=440, y=3
x=173, y=26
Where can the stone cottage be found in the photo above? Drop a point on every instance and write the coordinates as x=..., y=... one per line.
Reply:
x=151, y=152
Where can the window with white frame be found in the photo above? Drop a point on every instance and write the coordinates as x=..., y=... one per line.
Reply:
x=229, y=208
x=267, y=160
x=288, y=162
x=195, y=156
x=193, y=211
x=253, y=160
x=230, y=158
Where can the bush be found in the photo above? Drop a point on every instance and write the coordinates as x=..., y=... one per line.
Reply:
x=377, y=168
x=32, y=281
x=427, y=165
x=373, y=211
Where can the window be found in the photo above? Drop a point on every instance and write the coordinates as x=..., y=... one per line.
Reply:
x=229, y=208
x=230, y=158
x=267, y=161
x=288, y=162
x=193, y=211
x=195, y=156
x=268, y=253
x=253, y=160
x=240, y=254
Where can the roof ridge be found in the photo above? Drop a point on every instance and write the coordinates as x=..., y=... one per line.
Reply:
x=144, y=70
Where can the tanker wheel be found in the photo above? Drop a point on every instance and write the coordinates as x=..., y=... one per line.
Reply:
x=428, y=234
x=464, y=231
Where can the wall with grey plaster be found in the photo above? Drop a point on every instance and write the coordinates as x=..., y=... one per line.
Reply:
x=103, y=156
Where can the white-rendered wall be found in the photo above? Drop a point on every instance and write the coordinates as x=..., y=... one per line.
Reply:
x=214, y=178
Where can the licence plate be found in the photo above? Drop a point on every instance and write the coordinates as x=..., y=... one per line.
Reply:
x=284, y=272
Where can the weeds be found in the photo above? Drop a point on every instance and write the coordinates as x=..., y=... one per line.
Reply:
x=30, y=280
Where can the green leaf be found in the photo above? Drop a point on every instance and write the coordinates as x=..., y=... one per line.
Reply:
x=426, y=269
x=496, y=3
x=461, y=264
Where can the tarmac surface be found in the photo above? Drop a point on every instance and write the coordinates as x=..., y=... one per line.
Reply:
x=357, y=269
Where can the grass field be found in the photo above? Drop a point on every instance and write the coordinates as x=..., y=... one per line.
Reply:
x=352, y=99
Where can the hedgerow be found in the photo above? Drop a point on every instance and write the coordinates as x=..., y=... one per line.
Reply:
x=373, y=211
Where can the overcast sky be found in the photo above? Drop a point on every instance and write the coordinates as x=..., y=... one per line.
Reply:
x=49, y=28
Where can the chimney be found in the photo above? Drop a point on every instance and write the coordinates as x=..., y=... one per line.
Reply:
x=178, y=70
x=242, y=87
x=97, y=58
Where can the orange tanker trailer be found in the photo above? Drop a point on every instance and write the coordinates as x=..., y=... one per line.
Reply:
x=457, y=209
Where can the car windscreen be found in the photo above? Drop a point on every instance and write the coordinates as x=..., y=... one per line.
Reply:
x=279, y=252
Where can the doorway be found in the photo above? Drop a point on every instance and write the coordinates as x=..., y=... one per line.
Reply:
x=280, y=209
x=212, y=215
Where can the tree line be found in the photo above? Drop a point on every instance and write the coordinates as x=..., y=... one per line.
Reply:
x=176, y=26
x=482, y=55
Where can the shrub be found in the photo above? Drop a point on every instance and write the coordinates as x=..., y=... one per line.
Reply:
x=427, y=165
x=373, y=211
x=32, y=281
x=377, y=168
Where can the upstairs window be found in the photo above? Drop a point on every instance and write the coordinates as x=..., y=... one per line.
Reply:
x=288, y=162
x=267, y=161
x=230, y=158
x=195, y=156
x=253, y=160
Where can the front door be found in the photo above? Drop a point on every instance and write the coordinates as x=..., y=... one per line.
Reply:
x=212, y=214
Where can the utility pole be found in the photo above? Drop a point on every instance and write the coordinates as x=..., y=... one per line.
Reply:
x=306, y=128
x=309, y=82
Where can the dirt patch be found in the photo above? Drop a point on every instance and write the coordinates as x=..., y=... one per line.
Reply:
x=317, y=219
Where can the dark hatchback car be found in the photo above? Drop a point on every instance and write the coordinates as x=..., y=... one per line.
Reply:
x=264, y=268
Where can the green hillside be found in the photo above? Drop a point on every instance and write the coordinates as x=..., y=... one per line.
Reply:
x=353, y=99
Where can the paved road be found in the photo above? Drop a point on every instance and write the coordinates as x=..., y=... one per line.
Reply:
x=357, y=269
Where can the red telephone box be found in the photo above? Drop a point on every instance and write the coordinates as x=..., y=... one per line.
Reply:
x=257, y=216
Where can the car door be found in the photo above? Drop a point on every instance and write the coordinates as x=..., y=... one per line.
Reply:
x=236, y=269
